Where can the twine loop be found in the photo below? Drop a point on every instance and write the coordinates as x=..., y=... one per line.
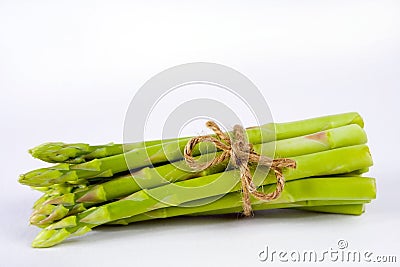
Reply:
x=241, y=154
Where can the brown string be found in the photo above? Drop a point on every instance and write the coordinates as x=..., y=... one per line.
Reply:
x=241, y=154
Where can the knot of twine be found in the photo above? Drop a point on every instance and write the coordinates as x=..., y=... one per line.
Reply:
x=241, y=154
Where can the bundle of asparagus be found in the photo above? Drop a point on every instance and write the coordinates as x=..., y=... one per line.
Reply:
x=125, y=183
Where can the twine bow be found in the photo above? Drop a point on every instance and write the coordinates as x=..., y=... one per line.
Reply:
x=241, y=154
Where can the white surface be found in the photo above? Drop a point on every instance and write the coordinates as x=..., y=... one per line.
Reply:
x=69, y=69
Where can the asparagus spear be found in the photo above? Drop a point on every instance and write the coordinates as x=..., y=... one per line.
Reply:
x=335, y=161
x=125, y=185
x=58, y=152
x=171, y=151
x=331, y=206
x=169, y=212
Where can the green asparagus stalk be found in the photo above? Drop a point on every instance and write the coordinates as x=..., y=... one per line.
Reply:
x=120, y=187
x=329, y=206
x=58, y=152
x=321, y=204
x=172, y=151
x=335, y=161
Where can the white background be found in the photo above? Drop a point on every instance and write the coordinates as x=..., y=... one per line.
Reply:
x=68, y=70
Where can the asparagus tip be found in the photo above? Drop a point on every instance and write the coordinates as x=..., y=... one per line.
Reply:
x=40, y=219
x=48, y=238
